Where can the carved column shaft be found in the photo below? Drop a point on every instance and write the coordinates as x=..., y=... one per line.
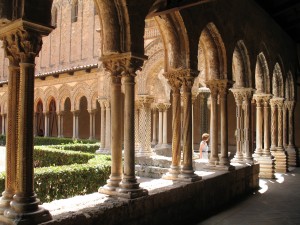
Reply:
x=137, y=140
x=154, y=126
x=273, y=125
x=280, y=125
x=239, y=130
x=160, y=126
x=102, y=134
x=259, y=126
x=266, y=151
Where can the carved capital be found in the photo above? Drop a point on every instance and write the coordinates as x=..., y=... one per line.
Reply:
x=162, y=106
x=261, y=99
x=213, y=87
x=102, y=102
x=145, y=101
x=223, y=87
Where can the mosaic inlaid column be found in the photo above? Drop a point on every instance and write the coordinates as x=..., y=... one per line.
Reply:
x=187, y=171
x=247, y=96
x=75, y=123
x=223, y=87
x=103, y=126
x=92, y=123
x=204, y=94
x=12, y=131
x=238, y=95
x=145, y=125
x=175, y=84
x=154, y=126
x=214, y=158
x=259, y=125
x=273, y=125
x=23, y=39
x=60, y=124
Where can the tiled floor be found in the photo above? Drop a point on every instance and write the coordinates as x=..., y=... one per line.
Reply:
x=276, y=203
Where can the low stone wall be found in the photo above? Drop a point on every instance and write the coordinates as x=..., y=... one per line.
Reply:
x=176, y=203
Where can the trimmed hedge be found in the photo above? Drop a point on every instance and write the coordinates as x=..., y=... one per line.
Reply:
x=51, y=141
x=90, y=148
x=59, y=182
x=2, y=181
x=47, y=156
x=59, y=141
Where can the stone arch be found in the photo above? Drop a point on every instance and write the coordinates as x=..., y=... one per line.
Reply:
x=80, y=90
x=241, y=66
x=48, y=102
x=64, y=93
x=50, y=92
x=277, y=82
x=289, y=87
x=175, y=40
x=211, y=54
x=94, y=99
x=104, y=84
x=262, y=77
x=39, y=94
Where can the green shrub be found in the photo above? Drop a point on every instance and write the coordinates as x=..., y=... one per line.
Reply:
x=59, y=141
x=90, y=148
x=45, y=156
x=59, y=182
x=2, y=140
x=2, y=181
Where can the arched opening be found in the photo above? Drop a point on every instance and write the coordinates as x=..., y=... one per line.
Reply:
x=83, y=119
x=68, y=119
x=74, y=11
x=54, y=17
x=262, y=79
x=52, y=119
x=40, y=119
x=277, y=82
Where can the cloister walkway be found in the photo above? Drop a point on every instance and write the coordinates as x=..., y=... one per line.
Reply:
x=276, y=203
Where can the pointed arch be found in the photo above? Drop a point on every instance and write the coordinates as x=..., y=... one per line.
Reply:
x=262, y=77
x=241, y=66
x=212, y=59
x=289, y=87
x=277, y=82
x=54, y=16
x=74, y=11
x=64, y=93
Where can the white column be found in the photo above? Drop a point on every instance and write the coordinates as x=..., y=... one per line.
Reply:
x=3, y=124
x=60, y=124
x=160, y=125
x=165, y=126
x=273, y=124
x=75, y=124
x=154, y=126
x=103, y=130
x=92, y=124
x=107, y=126
x=46, y=131
x=259, y=125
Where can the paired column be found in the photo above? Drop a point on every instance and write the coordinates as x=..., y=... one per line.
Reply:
x=262, y=153
x=60, y=124
x=3, y=123
x=103, y=126
x=187, y=171
x=125, y=186
x=92, y=113
x=46, y=132
x=108, y=121
x=24, y=206
x=160, y=108
x=75, y=124
x=145, y=125
x=204, y=94
x=292, y=154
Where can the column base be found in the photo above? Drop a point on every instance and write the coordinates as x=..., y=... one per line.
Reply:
x=103, y=151
x=281, y=165
x=188, y=175
x=219, y=167
x=267, y=167
x=238, y=159
x=249, y=160
x=5, y=200
x=11, y=217
x=292, y=156
x=173, y=173
x=224, y=161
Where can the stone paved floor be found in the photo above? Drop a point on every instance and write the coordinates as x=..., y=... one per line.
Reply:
x=276, y=203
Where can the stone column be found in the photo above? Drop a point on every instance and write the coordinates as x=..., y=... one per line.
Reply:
x=266, y=161
x=12, y=131
x=3, y=123
x=116, y=123
x=214, y=158
x=281, y=165
x=46, y=131
x=60, y=124
x=204, y=94
x=247, y=96
x=108, y=125
x=291, y=151
x=273, y=125
x=154, y=126
x=175, y=82
x=25, y=40
x=187, y=171
x=101, y=150
x=75, y=124
x=160, y=108
x=165, y=126
x=92, y=124
x=145, y=125
x=238, y=95
x=259, y=125
x=223, y=87
x=285, y=126
x=137, y=141
x=129, y=187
